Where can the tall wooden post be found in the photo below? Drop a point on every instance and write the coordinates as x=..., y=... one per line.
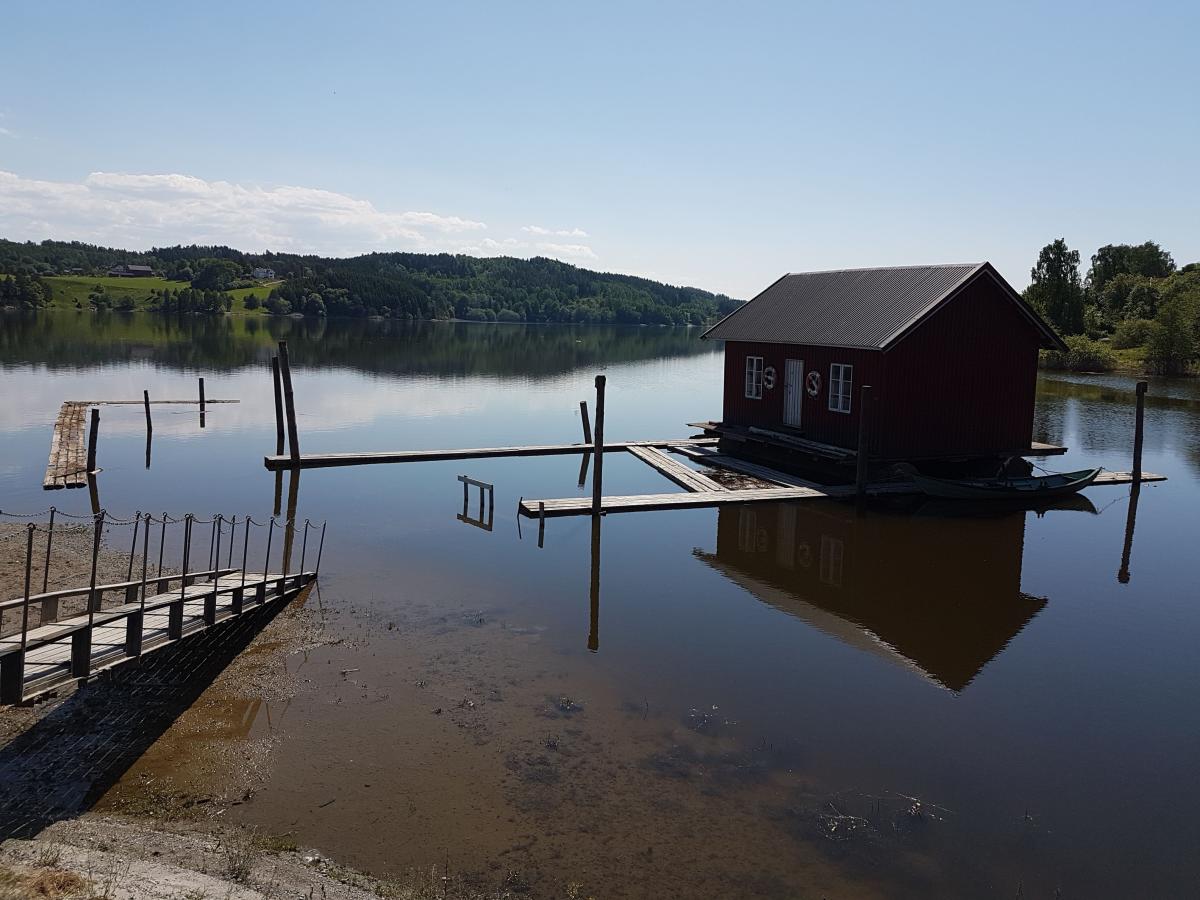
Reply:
x=598, y=446
x=1137, y=433
x=278, y=408
x=149, y=421
x=201, y=402
x=289, y=402
x=93, y=435
x=864, y=444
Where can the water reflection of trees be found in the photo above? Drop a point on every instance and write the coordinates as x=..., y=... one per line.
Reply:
x=70, y=340
x=939, y=595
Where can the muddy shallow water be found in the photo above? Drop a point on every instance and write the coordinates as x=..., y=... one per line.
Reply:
x=761, y=701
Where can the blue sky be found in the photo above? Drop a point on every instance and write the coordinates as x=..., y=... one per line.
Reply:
x=710, y=144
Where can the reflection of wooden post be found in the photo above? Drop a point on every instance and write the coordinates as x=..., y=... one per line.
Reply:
x=1137, y=433
x=864, y=426
x=93, y=435
x=289, y=402
x=598, y=475
x=587, y=439
x=1130, y=520
x=594, y=590
x=278, y=410
x=289, y=525
x=201, y=402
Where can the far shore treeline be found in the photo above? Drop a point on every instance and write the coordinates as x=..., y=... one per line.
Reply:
x=1133, y=309
x=391, y=285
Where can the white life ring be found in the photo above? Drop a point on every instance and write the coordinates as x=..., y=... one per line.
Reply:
x=769, y=377
x=812, y=383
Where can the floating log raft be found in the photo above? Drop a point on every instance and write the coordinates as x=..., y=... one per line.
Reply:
x=67, y=466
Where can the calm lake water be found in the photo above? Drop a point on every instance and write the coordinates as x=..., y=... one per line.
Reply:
x=1003, y=713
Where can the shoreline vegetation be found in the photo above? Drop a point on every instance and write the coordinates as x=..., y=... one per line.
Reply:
x=1134, y=311
x=416, y=286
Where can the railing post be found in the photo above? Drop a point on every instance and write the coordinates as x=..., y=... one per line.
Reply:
x=232, y=535
x=12, y=665
x=175, y=610
x=210, y=599
x=137, y=520
x=133, y=621
x=49, y=542
x=49, y=611
x=81, y=640
x=162, y=542
x=261, y=592
x=320, y=548
x=303, y=547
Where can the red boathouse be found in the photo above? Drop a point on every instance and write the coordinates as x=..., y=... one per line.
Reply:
x=950, y=353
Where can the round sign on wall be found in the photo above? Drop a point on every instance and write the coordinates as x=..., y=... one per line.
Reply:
x=812, y=383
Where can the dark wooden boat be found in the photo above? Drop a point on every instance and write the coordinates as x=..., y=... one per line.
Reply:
x=1029, y=489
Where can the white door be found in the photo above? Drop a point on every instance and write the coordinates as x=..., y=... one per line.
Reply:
x=793, y=391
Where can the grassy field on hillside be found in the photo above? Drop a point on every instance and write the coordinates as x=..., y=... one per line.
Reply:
x=71, y=289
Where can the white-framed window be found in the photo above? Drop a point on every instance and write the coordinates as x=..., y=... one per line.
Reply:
x=754, y=377
x=841, y=385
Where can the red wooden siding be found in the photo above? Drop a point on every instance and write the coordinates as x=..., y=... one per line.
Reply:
x=964, y=381
x=961, y=383
x=818, y=422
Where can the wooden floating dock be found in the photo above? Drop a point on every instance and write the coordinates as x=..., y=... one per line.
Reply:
x=686, y=478
x=798, y=490
x=67, y=467
x=78, y=647
x=326, y=460
x=68, y=463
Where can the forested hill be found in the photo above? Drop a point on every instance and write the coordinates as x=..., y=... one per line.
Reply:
x=396, y=285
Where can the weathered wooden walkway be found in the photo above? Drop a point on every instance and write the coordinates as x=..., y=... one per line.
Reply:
x=67, y=467
x=68, y=463
x=785, y=487
x=152, y=614
x=325, y=460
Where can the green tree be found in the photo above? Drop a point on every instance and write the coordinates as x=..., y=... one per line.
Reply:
x=1056, y=289
x=1171, y=346
x=251, y=301
x=1148, y=260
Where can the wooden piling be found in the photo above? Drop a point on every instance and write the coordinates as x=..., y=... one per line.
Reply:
x=93, y=434
x=1137, y=433
x=201, y=402
x=289, y=402
x=149, y=421
x=598, y=446
x=864, y=436
x=587, y=426
x=278, y=409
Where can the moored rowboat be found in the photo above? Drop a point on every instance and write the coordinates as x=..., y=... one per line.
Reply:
x=1023, y=489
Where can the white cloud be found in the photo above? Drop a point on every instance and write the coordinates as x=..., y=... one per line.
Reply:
x=137, y=210
x=547, y=232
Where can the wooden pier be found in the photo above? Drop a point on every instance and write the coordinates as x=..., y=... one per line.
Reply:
x=49, y=656
x=327, y=460
x=72, y=449
x=798, y=489
x=113, y=623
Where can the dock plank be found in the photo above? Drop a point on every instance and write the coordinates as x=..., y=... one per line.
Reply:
x=327, y=460
x=686, y=478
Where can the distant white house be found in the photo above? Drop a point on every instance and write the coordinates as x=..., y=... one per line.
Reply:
x=263, y=274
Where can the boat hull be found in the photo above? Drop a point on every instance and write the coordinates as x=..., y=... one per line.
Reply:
x=1016, y=489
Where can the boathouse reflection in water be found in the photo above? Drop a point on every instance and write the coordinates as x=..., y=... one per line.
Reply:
x=939, y=595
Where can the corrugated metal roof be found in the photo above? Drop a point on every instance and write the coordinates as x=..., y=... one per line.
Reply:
x=866, y=308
